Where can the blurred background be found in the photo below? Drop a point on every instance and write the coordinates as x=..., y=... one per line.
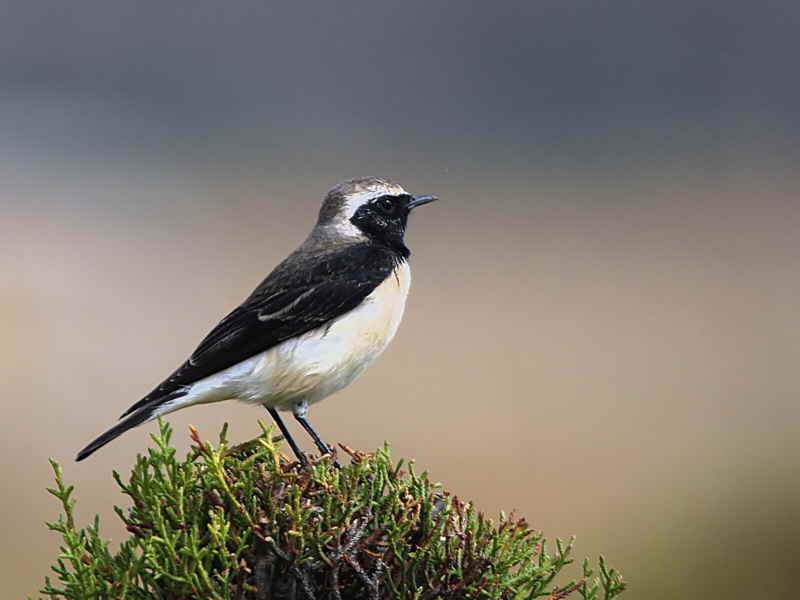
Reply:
x=602, y=332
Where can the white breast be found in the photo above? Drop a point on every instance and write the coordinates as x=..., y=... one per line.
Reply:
x=316, y=364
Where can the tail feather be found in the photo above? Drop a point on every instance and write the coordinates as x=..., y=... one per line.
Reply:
x=144, y=413
x=156, y=397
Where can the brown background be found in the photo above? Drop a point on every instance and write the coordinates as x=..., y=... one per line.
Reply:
x=602, y=331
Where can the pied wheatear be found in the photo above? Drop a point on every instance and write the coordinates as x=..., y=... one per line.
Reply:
x=312, y=326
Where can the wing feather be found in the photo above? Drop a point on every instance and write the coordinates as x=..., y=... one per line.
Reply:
x=301, y=294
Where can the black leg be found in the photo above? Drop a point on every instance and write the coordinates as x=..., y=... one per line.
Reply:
x=286, y=435
x=322, y=446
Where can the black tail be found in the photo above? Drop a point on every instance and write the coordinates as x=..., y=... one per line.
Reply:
x=136, y=415
x=136, y=418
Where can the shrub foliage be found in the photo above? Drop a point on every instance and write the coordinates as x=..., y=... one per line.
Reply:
x=246, y=523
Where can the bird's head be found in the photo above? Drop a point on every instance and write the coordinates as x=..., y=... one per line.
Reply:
x=369, y=209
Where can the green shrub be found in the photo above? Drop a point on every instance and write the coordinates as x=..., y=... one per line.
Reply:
x=246, y=523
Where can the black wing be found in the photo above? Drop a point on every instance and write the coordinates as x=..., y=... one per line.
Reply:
x=290, y=302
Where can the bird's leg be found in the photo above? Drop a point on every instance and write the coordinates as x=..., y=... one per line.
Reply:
x=286, y=435
x=300, y=412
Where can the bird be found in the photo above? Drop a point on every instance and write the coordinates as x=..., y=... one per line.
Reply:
x=311, y=327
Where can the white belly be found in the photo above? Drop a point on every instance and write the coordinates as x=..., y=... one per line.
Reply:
x=316, y=364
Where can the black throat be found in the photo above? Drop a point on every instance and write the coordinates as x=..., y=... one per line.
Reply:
x=397, y=246
x=383, y=220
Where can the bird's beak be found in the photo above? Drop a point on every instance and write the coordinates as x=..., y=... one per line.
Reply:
x=420, y=200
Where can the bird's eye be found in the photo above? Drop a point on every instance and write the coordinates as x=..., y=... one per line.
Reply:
x=385, y=205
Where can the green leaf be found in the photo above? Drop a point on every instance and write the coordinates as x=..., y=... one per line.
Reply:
x=238, y=522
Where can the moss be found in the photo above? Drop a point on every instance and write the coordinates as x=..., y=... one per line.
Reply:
x=245, y=523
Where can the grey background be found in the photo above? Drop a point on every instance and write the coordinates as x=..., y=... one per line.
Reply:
x=602, y=332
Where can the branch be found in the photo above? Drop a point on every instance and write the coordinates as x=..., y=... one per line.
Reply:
x=247, y=523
